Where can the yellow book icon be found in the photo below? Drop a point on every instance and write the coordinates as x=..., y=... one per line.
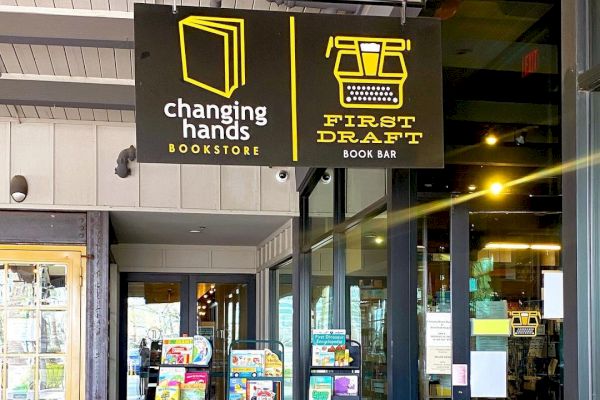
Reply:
x=212, y=53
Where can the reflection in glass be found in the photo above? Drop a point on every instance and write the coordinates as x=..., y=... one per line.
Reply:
x=510, y=255
x=366, y=280
x=433, y=304
x=153, y=310
x=363, y=187
x=285, y=323
x=21, y=285
x=53, y=284
x=2, y=283
x=21, y=337
x=53, y=337
x=20, y=378
x=321, y=301
x=51, y=378
x=320, y=207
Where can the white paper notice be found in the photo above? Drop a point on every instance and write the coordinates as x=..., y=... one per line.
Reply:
x=488, y=374
x=439, y=330
x=439, y=343
x=552, y=295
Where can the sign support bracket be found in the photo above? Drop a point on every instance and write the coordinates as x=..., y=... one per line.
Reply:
x=403, y=13
x=174, y=6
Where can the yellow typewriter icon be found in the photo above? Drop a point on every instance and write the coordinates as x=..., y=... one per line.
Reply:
x=370, y=71
x=213, y=53
x=525, y=323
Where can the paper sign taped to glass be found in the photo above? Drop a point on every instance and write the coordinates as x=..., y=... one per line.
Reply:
x=243, y=87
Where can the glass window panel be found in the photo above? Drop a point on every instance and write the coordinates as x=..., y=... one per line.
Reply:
x=284, y=324
x=21, y=336
x=433, y=305
x=53, y=338
x=363, y=188
x=53, y=283
x=366, y=282
x=20, y=378
x=51, y=379
x=594, y=270
x=321, y=302
x=320, y=207
x=595, y=36
x=21, y=284
x=509, y=255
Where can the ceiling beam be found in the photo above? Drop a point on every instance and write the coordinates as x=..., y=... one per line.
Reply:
x=67, y=27
x=66, y=91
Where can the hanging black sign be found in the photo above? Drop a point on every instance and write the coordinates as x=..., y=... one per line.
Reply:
x=222, y=86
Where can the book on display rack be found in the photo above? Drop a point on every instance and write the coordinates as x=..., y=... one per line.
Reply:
x=335, y=367
x=184, y=369
x=255, y=374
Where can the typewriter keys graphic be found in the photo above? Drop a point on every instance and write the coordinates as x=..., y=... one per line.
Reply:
x=370, y=71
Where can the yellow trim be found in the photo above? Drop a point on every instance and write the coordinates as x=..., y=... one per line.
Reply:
x=490, y=327
x=74, y=259
x=293, y=88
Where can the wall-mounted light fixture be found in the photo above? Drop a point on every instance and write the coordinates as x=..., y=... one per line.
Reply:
x=125, y=156
x=18, y=188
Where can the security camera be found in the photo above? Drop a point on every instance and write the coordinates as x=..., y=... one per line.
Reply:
x=282, y=175
x=326, y=178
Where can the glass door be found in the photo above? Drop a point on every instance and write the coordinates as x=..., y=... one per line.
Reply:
x=516, y=305
x=40, y=323
x=224, y=310
x=157, y=306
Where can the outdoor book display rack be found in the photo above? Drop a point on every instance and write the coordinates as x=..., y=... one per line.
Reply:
x=255, y=370
x=337, y=382
x=184, y=369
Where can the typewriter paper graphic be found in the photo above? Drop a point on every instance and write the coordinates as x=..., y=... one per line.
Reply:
x=223, y=44
x=370, y=71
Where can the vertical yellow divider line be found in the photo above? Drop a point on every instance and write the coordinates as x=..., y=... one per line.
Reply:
x=293, y=88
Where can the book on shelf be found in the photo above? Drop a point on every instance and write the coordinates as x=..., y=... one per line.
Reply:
x=320, y=388
x=345, y=385
x=329, y=348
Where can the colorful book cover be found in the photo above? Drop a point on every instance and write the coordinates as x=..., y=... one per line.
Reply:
x=329, y=348
x=247, y=363
x=273, y=365
x=167, y=393
x=320, y=388
x=193, y=391
x=170, y=375
x=237, y=389
x=260, y=390
x=328, y=337
x=345, y=385
x=196, y=377
x=202, y=351
x=177, y=350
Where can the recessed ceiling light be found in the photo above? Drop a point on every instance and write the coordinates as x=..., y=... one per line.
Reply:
x=472, y=188
x=199, y=229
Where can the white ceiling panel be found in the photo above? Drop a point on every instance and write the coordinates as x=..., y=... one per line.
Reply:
x=100, y=115
x=75, y=61
x=83, y=4
x=108, y=65
x=100, y=5
x=128, y=116
x=118, y=5
x=26, y=3
x=123, y=64
x=63, y=3
x=44, y=3
x=72, y=113
x=86, y=114
x=91, y=60
x=29, y=112
x=114, y=115
x=9, y=58
x=58, y=58
x=59, y=113
x=4, y=111
x=8, y=2
x=42, y=59
x=44, y=112
x=25, y=56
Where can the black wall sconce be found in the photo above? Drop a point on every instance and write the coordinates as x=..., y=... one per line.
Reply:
x=125, y=156
x=18, y=188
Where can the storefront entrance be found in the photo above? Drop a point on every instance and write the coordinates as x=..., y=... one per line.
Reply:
x=156, y=306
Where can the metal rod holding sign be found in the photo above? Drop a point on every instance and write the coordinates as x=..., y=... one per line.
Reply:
x=222, y=86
